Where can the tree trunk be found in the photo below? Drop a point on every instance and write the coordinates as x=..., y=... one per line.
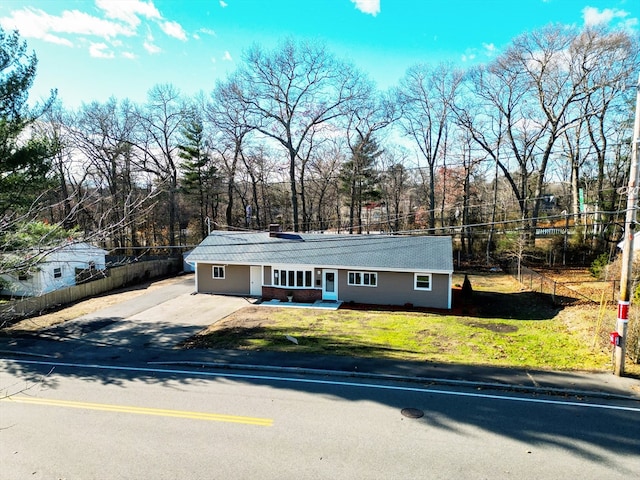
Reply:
x=294, y=193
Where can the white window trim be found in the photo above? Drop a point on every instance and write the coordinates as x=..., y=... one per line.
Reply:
x=362, y=273
x=57, y=272
x=213, y=269
x=288, y=268
x=422, y=274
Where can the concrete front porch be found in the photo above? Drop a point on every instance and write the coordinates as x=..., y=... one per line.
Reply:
x=327, y=305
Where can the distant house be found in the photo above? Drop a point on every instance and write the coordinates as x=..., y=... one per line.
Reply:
x=370, y=269
x=62, y=267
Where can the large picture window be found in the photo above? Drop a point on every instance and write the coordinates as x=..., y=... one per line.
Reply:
x=292, y=278
x=362, y=279
x=422, y=281
x=218, y=271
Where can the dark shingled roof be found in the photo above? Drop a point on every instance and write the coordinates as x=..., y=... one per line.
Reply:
x=375, y=252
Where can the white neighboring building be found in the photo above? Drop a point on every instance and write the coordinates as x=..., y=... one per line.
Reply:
x=56, y=270
x=636, y=242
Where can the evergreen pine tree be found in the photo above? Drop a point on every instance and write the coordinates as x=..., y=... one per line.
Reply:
x=24, y=156
x=360, y=180
x=199, y=175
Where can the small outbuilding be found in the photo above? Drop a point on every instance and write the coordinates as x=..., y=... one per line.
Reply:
x=371, y=269
x=58, y=267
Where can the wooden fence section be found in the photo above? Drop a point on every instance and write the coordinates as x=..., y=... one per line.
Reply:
x=562, y=293
x=129, y=274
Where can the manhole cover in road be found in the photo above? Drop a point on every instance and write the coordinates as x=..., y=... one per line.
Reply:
x=412, y=412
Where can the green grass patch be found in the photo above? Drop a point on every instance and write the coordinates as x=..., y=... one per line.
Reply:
x=406, y=336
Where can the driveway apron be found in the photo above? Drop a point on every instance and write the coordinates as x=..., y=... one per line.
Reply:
x=157, y=320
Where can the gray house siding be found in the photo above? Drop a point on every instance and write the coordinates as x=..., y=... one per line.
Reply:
x=396, y=288
x=236, y=281
x=394, y=259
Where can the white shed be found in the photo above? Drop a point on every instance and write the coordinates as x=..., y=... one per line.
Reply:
x=57, y=269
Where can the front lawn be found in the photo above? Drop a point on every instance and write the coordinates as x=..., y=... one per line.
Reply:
x=502, y=326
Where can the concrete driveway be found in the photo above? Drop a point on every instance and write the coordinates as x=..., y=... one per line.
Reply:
x=161, y=318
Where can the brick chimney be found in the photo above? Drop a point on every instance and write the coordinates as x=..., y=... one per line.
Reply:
x=274, y=229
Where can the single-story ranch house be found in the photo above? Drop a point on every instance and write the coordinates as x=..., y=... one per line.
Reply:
x=370, y=269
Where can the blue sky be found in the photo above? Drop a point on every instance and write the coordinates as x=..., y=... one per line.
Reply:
x=93, y=49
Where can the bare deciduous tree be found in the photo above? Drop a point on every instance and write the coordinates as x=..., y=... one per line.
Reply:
x=161, y=121
x=292, y=90
x=426, y=97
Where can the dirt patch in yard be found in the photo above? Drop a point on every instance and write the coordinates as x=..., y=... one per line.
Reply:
x=495, y=327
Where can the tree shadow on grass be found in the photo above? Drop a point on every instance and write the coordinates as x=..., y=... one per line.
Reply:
x=516, y=306
x=274, y=339
x=489, y=305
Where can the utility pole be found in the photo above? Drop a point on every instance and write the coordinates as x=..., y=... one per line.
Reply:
x=626, y=278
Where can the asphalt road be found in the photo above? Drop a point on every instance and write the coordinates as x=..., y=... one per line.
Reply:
x=97, y=422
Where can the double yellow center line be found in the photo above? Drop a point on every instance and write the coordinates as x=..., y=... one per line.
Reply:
x=159, y=412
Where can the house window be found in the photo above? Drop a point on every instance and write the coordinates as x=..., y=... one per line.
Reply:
x=292, y=278
x=362, y=279
x=218, y=271
x=57, y=272
x=422, y=281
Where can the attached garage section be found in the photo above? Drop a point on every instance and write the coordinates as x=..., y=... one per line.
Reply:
x=224, y=279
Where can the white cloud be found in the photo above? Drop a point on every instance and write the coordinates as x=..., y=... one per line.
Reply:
x=129, y=55
x=489, y=48
x=113, y=21
x=204, y=31
x=227, y=57
x=592, y=16
x=35, y=23
x=151, y=47
x=173, y=29
x=372, y=7
x=223, y=4
x=100, y=50
x=128, y=10
x=57, y=40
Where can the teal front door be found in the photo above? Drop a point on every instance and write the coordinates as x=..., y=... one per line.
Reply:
x=330, y=285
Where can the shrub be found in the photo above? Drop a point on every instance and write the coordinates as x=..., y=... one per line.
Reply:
x=598, y=267
x=467, y=290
